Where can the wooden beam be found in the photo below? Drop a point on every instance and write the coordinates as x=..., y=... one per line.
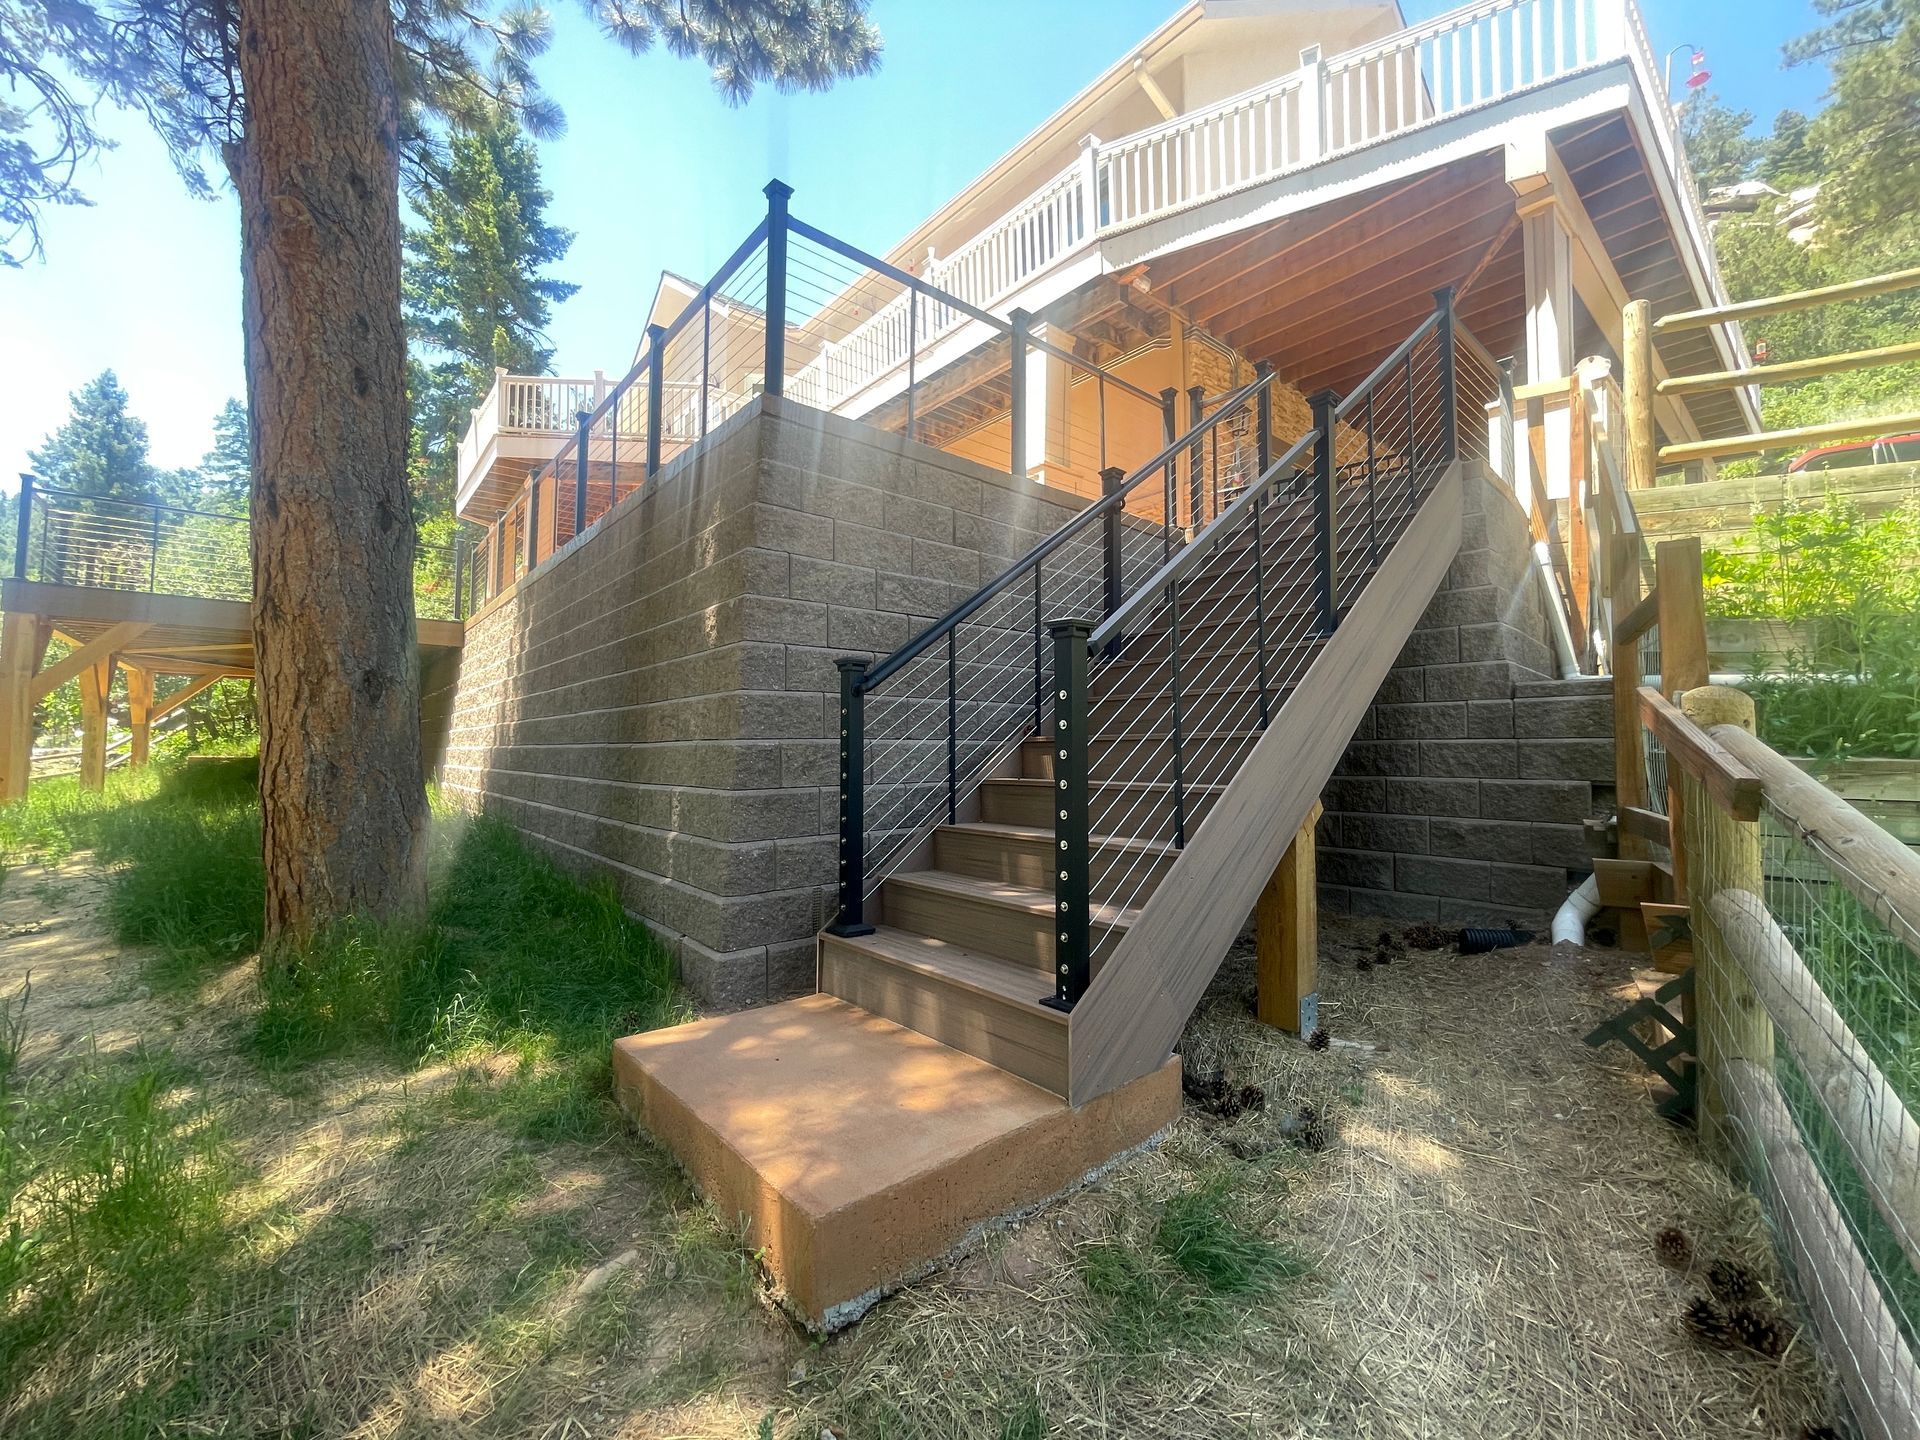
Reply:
x=1788, y=439
x=1793, y=300
x=1637, y=621
x=103, y=646
x=139, y=715
x=1286, y=930
x=183, y=694
x=22, y=643
x=1683, y=616
x=1636, y=388
x=96, y=686
x=1732, y=784
x=1790, y=370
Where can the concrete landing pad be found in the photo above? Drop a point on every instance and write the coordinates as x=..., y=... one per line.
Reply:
x=851, y=1151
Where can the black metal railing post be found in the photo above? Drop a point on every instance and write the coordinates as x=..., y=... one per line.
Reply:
x=778, y=193
x=1017, y=383
x=23, y=528
x=1260, y=589
x=1509, y=439
x=1039, y=656
x=1179, y=717
x=1325, y=503
x=579, y=477
x=1111, y=480
x=1449, y=400
x=1373, y=494
x=1072, y=889
x=853, y=835
x=1170, y=423
x=1263, y=421
x=953, y=724
x=153, y=553
x=1197, y=457
x=656, y=394
x=913, y=345
x=533, y=520
x=459, y=577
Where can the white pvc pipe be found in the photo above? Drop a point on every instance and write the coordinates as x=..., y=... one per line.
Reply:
x=1557, y=616
x=1570, y=920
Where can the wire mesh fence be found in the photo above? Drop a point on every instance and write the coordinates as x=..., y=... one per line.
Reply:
x=1808, y=1002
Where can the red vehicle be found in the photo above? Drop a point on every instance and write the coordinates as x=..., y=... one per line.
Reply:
x=1887, y=450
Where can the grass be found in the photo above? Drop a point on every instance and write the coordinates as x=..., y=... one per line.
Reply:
x=151, y=1257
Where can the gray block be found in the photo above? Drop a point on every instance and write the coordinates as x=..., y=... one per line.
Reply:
x=1564, y=719
x=1433, y=797
x=1566, y=760
x=1481, y=840
x=1480, y=759
x=1446, y=721
x=1545, y=801
x=1432, y=875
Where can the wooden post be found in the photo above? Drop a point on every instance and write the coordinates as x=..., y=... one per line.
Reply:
x=1286, y=932
x=139, y=715
x=1637, y=383
x=1731, y=1023
x=1579, y=545
x=1683, y=663
x=20, y=649
x=96, y=685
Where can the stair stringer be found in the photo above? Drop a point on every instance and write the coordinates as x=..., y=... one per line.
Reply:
x=1126, y=1024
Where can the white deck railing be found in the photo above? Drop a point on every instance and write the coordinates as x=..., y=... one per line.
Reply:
x=1420, y=76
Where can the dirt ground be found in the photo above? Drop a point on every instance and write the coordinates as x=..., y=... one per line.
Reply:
x=1470, y=1194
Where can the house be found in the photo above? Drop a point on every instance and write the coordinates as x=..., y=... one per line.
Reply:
x=968, y=639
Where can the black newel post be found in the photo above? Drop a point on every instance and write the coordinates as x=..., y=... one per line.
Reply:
x=1170, y=424
x=1072, y=892
x=775, y=380
x=1326, y=578
x=1111, y=479
x=579, y=476
x=1263, y=418
x=1197, y=459
x=23, y=528
x=853, y=836
x=656, y=393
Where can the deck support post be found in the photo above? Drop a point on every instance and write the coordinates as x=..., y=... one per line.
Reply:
x=1287, y=938
x=21, y=644
x=1683, y=666
x=96, y=686
x=139, y=715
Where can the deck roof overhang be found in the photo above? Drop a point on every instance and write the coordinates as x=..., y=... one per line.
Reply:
x=1323, y=270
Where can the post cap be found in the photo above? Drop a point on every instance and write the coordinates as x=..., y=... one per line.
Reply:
x=777, y=191
x=1071, y=624
x=851, y=662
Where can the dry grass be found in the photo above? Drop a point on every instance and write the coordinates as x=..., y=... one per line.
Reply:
x=1470, y=1256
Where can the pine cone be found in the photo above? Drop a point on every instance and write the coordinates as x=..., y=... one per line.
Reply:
x=1319, y=1039
x=1673, y=1248
x=1364, y=963
x=1812, y=1431
x=1732, y=1283
x=1707, y=1323
x=1760, y=1332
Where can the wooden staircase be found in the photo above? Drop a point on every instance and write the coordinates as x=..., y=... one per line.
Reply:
x=962, y=944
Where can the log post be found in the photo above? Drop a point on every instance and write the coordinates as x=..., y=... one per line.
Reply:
x=1286, y=932
x=1637, y=386
x=1683, y=664
x=1724, y=855
x=96, y=685
x=139, y=715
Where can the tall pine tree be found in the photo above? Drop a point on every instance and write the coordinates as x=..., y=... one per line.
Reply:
x=476, y=297
x=226, y=471
x=101, y=450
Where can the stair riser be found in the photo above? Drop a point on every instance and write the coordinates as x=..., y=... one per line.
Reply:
x=1029, y=1045
x=1203, y=761
x=1030, y=863
x=1115, y=812
x=1013, y=934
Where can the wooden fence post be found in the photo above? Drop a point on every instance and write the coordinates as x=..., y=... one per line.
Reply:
x=1287, y=943
x=1730, y=1022
x=1683, y=665
x=96, y=687
x=1636, y=384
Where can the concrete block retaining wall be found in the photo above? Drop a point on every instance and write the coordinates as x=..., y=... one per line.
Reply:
x=1461, y=797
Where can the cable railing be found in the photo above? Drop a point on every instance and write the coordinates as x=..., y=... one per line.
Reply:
x=1158, y=704
x=99, y=542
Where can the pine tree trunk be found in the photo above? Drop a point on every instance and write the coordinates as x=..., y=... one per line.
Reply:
x=341, y=790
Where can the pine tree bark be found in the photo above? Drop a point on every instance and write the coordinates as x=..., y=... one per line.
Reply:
x=341, y=791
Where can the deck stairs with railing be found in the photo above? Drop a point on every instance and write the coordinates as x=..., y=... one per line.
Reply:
x=1058, y=806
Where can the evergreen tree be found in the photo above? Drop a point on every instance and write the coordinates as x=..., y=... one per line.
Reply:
x=475, y=294
x=1869, y=132
x=226, y=471
x=101, y=450
x=1718, y=146
x=316, y=106
x=1789, y=157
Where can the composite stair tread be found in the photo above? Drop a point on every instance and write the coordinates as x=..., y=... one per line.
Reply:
x=999, y=830
x=1000, y=892
x=987, y=975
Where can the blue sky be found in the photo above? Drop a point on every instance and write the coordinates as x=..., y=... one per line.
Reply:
x=654, y=171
